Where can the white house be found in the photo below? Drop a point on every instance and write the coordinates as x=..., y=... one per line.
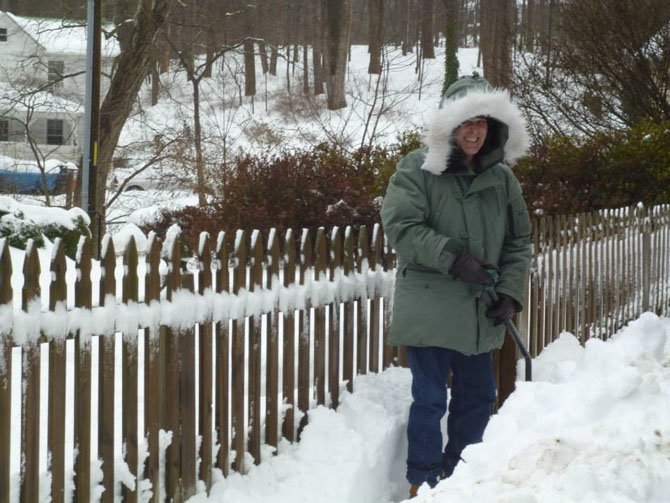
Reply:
x=38, y=123
x=43, y=82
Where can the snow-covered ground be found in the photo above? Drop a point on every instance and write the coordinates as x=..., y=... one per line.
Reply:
x=593, y=426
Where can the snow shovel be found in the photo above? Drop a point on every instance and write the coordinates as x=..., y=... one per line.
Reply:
x=515, y=335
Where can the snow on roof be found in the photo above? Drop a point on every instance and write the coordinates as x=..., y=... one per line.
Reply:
x=62, y=35
x=16, y=99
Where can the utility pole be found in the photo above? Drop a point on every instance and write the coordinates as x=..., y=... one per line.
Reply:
x=89, y=176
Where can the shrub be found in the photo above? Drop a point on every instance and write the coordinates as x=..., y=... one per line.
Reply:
x=21, y=222
x=570, y=175
x=325, y=186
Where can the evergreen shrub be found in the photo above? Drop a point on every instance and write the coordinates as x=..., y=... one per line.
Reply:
x=17, y=229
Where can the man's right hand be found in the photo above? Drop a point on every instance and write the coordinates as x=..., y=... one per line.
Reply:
x=470, y=269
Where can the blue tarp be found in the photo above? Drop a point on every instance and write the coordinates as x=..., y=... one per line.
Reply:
x=29, y=183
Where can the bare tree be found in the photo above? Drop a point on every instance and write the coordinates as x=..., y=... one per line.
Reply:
x=375, y=34
x=451, y=64
x=132, y=65
x=427, y=15
x=611, y=68
x=337, y=26
x=496, y=40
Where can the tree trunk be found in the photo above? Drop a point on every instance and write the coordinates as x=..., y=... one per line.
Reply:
x=132, y=65
x=451, y=64
x=249, y=68
x=529, y=28
x=375, y=35
x=155, y=83
x=274, y=55
x=496, y=39
x=317, y=48
x=305, y=70
x=197, y=130
x=337, y=28
x=210, y=51
x=407, y=27
x=262, y=49
x=427, y=14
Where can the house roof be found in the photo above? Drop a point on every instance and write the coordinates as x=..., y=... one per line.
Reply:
x=61, y=35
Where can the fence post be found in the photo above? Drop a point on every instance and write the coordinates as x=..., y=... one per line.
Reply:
x=189, y=451
x=272, y=355
x=83, y=298
x=173, y=483
x=154, y=369
x=254, y=389
x=106, y=373
x=30, y=433
x=375, y=262
x=320, y=275
x=288, y=371
x=348, y=313
x=362, y=310
x=206, y=362
x=221, y=335
x=130, y=372
x=334, y=339
x=5, y=372
x=239, y=353
x=304, y=316
x=646, y=258
x=57, y=363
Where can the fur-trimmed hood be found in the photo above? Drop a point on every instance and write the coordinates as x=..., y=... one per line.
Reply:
x=493, y=104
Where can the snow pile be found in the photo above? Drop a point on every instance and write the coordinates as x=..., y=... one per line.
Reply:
x=13, y=211
x=596, y=428
x=593, y=427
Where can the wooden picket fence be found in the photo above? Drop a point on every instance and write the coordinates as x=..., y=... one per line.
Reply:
x=594, y=272
x=343, y=276
x=228, y=349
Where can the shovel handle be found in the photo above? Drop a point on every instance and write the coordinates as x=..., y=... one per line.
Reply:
x=517, y=338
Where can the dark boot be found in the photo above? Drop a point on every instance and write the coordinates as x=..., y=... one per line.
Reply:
x=413, y=490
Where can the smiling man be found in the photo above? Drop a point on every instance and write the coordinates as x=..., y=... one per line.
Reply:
x=456, y=217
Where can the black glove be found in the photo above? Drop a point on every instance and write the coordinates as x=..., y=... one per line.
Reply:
x=503, y=310
x=470, y=269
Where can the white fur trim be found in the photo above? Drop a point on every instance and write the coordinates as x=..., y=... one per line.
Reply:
x=496, y=104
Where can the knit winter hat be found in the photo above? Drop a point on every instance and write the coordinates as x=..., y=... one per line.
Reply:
x=464, y=85
x=468, y=97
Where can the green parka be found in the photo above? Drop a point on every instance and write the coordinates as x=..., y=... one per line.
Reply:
x=435, y=204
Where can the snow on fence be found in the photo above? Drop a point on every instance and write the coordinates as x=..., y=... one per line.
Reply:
x=594, y=272
x=223, y=353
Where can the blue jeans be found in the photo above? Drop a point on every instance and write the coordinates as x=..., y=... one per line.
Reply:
x=473, y=393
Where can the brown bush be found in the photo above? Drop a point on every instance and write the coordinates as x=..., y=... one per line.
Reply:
x=323, y=187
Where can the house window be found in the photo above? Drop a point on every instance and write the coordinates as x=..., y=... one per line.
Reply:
x=54, y=132
x=4, y=130
x=3, y=34
x=56, y=70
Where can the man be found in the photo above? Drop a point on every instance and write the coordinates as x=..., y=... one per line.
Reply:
x=456, y=217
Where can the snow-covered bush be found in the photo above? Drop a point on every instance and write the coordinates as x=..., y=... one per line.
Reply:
x=21, y=222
